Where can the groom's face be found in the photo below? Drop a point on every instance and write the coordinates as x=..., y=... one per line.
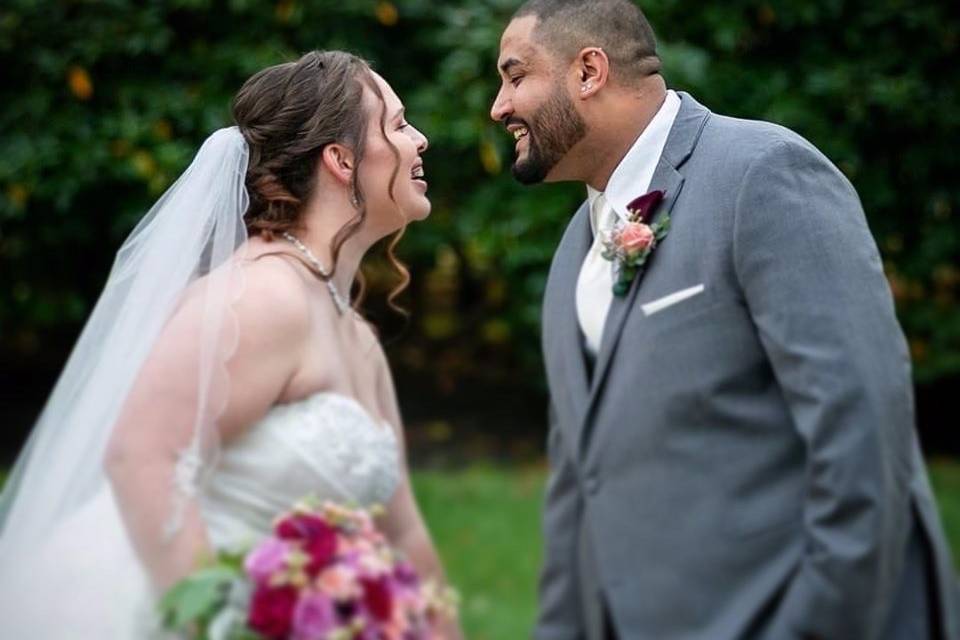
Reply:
x=535, y=106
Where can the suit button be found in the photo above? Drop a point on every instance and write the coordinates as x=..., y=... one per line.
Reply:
x=593, y=484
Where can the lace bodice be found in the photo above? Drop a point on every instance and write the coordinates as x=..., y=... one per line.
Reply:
x=327, y=446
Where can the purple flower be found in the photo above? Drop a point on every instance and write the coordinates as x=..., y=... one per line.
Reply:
x=406, y=575
x=269, y=557
x=642, y=208
x=314, y=617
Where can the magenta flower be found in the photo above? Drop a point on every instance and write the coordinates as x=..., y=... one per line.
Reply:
x=268, y=558
x=314, y=617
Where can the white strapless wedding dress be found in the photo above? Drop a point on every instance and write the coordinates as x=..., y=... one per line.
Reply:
x=85, y=583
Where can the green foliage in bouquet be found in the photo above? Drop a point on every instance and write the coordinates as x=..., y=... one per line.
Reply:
x=104, y=103
x=194, y=603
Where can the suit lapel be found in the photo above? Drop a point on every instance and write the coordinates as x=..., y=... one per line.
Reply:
x=562, y=343
x=683, y=138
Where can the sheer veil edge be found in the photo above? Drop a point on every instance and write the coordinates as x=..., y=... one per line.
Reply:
x=190, y=242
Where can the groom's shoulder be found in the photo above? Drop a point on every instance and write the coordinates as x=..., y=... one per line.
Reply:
x=740, y=142
x=745, y=139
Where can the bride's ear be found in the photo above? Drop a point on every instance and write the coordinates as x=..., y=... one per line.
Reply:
x=339, y=161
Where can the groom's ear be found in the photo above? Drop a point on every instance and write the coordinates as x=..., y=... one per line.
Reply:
x=340, y=161
x=592, y=68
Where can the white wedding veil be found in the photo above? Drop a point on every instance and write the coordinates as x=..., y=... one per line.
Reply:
x=189, y=240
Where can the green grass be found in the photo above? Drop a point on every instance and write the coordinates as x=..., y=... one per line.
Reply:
x=485, y=523
x=945, y=477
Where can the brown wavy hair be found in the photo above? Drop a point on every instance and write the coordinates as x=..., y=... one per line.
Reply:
x=288, y=114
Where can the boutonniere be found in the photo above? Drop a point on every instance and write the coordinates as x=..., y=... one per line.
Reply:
x=630, y=243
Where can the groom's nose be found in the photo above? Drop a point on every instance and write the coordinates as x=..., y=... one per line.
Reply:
x=500, y=108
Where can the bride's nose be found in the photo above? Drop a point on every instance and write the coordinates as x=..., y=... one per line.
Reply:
x=420, y=139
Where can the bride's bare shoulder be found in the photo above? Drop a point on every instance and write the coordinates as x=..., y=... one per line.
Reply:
x=273, y=295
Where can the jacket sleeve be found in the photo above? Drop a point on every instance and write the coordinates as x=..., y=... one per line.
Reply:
x=813, y=281
x=560, y=616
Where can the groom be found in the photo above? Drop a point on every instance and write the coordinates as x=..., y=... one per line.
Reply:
x=732, y=441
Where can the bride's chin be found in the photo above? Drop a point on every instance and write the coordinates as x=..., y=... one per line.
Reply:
x=419, y=209
x=421, y=214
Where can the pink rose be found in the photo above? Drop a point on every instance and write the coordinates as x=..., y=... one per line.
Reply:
x=268, y=558
x=314, y=617
x=340, y=583
x=635, y=237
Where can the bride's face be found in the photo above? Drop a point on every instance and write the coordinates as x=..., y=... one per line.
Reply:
x=392, y=144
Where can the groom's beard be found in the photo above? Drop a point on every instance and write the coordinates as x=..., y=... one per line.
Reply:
x=553, y=130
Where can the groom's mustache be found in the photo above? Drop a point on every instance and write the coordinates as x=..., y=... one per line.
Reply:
x=511, y=121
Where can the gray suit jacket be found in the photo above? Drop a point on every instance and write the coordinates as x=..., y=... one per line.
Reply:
x=742, y=464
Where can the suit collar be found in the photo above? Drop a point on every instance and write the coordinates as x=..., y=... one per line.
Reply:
x=686, y=131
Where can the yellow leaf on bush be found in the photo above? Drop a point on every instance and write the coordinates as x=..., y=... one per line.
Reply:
x=119, y=148
x=766, y=16
x=439, y=325
x=163, y=129
x=919, y=349
x=387, y=13
x=18, y=195
x=144, y=164
x=80, y=83
x=489, y=157
x=284, y=10
x=496, y=332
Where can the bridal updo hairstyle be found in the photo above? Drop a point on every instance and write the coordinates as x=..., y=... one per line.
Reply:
x=288, y=114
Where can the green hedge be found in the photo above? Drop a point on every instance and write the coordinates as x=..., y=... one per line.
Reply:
x=105, y=101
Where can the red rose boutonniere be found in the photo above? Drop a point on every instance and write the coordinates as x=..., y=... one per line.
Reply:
x=630, y=243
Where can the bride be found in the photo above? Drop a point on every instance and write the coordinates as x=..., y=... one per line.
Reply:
x=224, y=374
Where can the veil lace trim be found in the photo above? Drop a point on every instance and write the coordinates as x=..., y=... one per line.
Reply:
x=194, y=465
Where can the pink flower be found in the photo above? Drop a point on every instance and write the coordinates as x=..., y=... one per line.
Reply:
x=354, y=546
x=314, y=617
x=635, y=237
x=340, y=583
x=269, y=558
x=406, y=575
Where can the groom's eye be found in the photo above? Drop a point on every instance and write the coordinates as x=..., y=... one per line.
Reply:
x=515, y=80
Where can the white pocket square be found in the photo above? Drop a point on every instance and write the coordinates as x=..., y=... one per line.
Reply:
x=660, y=304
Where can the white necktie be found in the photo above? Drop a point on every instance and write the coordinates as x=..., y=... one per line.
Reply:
x=595, y=284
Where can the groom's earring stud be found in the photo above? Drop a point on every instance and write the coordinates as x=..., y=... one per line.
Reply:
x=586, y=87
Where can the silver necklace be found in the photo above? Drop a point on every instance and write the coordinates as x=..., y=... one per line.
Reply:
x=343, y=305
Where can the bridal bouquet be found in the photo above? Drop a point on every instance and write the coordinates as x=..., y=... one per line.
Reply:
x=324, y=574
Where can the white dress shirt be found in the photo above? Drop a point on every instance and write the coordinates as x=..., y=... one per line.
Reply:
x=629, y=180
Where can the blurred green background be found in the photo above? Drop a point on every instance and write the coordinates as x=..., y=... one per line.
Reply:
x=105, y=101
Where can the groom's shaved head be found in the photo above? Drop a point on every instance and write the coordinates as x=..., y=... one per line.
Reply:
x=618, y=27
